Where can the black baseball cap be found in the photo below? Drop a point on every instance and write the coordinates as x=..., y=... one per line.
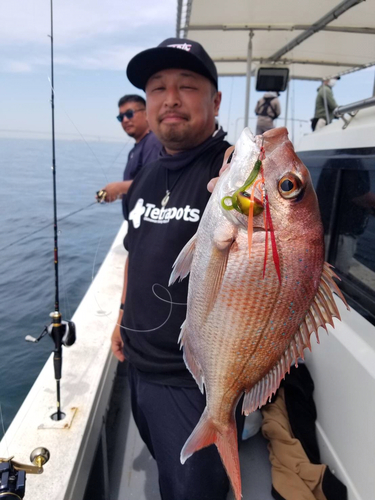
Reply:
x=179, y=53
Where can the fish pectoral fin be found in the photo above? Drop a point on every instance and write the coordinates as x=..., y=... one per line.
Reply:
x=182, y=264
x=215, y=273
x=193, y=365
x=225, y=439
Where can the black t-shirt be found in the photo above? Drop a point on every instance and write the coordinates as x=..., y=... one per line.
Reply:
x=154, y=240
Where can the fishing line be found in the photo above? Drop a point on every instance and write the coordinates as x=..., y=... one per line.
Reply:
x=94, y=262
x=164, y=300
x=71, y=121
x=48, y=225
x=114, y=161
x=105, y=176
x=170, y=301
x=100, y=240
x=65, y=294
x=103, y=172
x=2, y=423
x=84, y=140
x=93, y=270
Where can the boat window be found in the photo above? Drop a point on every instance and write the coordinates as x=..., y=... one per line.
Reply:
x=345, y=186
x=353, y=253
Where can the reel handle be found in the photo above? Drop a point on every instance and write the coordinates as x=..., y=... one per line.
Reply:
x=13, y=474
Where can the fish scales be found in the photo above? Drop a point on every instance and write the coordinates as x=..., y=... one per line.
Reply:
x=244, y=325
x=259, y=341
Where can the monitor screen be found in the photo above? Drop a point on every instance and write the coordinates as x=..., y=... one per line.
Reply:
x=272, y=79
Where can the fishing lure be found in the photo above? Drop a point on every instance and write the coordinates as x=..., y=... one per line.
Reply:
x=250, y=206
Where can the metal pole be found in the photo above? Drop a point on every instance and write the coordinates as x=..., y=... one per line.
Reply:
x=355, y=106
x=373, y=91
x=235, y=128
x=293, y=100
x=315, y=27
x=287, y=105
x=325, y=103
x=178, y=22
x=248, y=77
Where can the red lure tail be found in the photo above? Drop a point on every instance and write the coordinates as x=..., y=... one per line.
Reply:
x=268, y=225
x=275, y=254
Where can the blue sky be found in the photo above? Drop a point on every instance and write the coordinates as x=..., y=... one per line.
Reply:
x=94, y=40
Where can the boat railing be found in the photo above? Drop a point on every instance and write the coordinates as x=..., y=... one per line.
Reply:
x=88, y=374
x=352, y=109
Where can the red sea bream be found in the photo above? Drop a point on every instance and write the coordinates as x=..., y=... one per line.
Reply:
x=259, y=287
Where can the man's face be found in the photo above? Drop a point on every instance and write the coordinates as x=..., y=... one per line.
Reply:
x=137, y=125
x=181, y=108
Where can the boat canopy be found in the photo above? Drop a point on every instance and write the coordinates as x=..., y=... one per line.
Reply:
x=316, y=40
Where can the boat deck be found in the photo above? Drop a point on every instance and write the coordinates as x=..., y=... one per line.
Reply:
x=133, y=472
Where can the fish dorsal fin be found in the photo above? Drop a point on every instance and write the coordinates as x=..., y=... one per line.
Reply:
x=182, y=265
x=321, y=312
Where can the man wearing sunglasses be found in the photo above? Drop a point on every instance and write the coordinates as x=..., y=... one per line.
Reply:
x=165, y=204
x=132, y=116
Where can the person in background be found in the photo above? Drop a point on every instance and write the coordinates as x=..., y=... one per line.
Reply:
x=324, y=105
x=132, y=116
x=165, y=204
x=267, y=110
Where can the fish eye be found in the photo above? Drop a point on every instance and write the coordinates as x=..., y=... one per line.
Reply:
x=290, y=186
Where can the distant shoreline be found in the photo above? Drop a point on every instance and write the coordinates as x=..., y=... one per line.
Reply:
x=31, y=134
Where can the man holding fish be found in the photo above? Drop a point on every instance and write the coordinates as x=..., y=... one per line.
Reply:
x=165, y=204
x=258, y=285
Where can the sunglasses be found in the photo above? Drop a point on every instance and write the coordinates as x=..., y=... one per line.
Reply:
x=129, y=113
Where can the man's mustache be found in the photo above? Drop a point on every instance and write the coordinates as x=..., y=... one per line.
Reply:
x=172, y=113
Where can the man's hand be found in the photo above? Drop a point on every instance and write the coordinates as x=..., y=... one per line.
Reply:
x=117, y=343
x=211, y=185
x=114, y=191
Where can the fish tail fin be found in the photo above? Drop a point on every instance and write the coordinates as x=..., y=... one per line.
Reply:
x=205, y=434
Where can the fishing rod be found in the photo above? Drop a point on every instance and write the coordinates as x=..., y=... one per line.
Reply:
x=63, y=333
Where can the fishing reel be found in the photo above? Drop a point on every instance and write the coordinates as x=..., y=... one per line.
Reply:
x=63, y=333
x=66, y=330
x=101, y=196
x=13, y=474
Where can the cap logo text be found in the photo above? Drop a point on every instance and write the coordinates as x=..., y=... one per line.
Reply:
x=182, y=46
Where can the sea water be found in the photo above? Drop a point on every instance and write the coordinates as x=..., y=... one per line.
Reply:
x=27, y=289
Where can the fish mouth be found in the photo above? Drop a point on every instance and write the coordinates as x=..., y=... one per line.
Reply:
x=242, y=220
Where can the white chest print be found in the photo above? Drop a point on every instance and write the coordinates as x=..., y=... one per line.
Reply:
x=137, y=212
x=161, y=215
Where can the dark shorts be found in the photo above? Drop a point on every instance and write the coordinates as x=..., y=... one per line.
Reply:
x=165, y=417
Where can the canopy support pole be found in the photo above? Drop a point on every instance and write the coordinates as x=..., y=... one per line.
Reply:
x=248, y=77
x=332, y=15
x=325, y=103
x=287, y=104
